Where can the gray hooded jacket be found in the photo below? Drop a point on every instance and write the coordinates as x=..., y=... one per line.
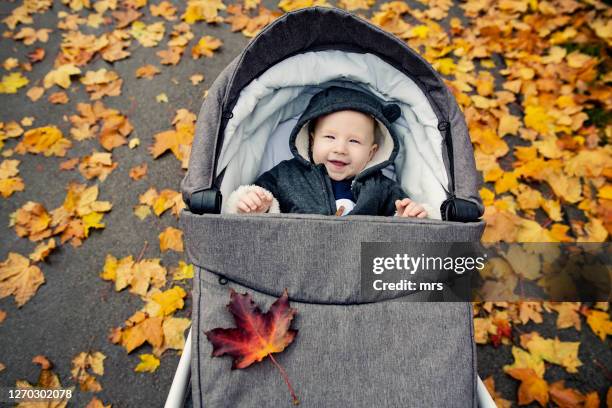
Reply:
x=301, y=186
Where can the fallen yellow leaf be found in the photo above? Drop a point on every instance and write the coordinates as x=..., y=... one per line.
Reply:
x=148, y=363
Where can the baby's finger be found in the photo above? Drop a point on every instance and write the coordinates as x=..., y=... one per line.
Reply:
x=264, y=207
x=248, y=200
x=410, y=207
x=416, y=210
x=243, y=207
x=408, y=210
x=406, y=201
x=262, y=195
x=422, y=214
x=255, y=198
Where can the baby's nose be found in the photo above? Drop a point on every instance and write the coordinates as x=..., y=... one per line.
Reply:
x=340, y=147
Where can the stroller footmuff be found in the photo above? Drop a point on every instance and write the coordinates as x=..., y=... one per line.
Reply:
x=350, y=351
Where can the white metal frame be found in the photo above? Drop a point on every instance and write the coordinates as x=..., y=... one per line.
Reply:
x=180, y=384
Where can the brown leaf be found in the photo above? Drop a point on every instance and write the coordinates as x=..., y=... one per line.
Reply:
x=164, y=9
x=83, y=365
x=118, y=42
x=174, y=334
x=565, y=397
x=9, y=180
x=42, y=250
x=69, y=164
x=10, y=63
x=114, y=131
x=148, y=35
x=35, y=93
x=125, y=18
x=46, y=379
x=102, y=83
x=98, y=165
x=568, y=314
x=196, y=79
x=58, y=98
x=32, y=221
x=43, y=362
x=19, y=278
x=147, y=71
x=138, y=172
x=29, y=35
x=171, y=56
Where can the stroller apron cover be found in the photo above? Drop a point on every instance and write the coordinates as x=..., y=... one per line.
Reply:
x=349, y=351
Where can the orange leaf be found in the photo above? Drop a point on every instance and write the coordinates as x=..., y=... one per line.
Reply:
x=600, y=323
x=565, y=397
x=591, y=400
x=532, y=387
x=147, y=71
x=171, y=238
x=138, y=172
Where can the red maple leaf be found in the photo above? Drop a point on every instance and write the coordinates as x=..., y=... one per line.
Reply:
x=257, y=334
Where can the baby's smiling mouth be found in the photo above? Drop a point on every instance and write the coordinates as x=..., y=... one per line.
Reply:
x=338, y=163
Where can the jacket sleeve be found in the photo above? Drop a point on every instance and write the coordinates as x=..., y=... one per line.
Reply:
x=268, y=181
x=394, y=192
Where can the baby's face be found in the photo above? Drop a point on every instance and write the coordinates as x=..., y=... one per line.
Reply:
x=344, y=142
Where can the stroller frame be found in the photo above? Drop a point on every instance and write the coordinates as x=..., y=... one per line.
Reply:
x=211, y=246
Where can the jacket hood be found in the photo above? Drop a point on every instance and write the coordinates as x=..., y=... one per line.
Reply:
x=337, y=98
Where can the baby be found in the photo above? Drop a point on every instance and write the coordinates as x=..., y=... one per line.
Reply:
x=340, y=144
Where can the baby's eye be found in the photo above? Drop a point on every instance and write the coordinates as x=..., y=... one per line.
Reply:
x=355, y=141
x=329, y=137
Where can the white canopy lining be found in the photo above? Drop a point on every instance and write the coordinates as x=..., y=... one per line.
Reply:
x=262, y=118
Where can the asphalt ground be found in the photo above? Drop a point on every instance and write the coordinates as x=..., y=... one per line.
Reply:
x=75, y=309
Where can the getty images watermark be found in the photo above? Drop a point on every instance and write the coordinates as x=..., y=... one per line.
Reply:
x=470, y=271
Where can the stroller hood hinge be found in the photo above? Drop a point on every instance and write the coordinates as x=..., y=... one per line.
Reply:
x=205, y=201
x=453, y=208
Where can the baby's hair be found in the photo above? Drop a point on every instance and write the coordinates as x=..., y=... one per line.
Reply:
x=312, y=124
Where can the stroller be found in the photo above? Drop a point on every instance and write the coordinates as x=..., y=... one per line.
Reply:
x=349, y=352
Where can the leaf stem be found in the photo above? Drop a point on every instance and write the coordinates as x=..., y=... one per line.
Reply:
x=296, y=401
x=144, y=248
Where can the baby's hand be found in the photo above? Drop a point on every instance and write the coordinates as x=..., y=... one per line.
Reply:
x=409, y=208
x=255, y=202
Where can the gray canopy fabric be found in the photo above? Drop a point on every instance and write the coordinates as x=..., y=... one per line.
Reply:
x=315, y=29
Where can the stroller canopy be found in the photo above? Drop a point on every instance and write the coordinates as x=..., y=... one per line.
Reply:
x=271, y=81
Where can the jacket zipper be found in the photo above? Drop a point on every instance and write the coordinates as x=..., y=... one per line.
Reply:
x=327, y=187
